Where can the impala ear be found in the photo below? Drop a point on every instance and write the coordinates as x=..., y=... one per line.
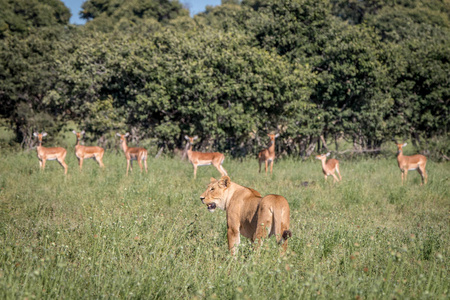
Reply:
x=118, y=134
x=277, y=135
x=328, y=154
x=74, y=132
x=195, y=137
x=404, y=144
x=44, y=134
x=82, y=132
x=35, y=134
x=127, y=134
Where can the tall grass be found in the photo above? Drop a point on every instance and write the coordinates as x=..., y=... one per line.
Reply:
x=99, y=234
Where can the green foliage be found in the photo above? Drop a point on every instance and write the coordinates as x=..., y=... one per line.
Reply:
x=22, y=16
x=101, y=234
x=362, y=71
x=105, y=15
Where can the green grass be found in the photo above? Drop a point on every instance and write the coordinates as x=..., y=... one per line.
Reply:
x=99, y=234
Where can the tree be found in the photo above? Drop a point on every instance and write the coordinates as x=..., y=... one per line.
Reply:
x=21, y=17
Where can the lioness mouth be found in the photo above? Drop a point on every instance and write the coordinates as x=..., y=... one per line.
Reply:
x=211, y=206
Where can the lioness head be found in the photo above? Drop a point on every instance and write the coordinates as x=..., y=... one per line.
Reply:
x=214, y=196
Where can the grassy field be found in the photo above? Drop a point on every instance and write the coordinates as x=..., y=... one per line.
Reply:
x=99, y=234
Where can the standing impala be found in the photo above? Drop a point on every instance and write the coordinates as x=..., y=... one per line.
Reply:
x=330, y=166
x=135, y=153
x=83, y=152
x=268, y=155
x=413, y=162
x=54, y=153
x=204, y=158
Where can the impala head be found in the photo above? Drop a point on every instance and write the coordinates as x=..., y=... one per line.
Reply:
x=78, y=134
x=191, y=139
x=399, y=146
x=322, y=156
x=40, y=136
x=123, y=137
x=273, y=136
x=214, y=197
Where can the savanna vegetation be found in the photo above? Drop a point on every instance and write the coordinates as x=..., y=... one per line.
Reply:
x=100, y=234
x=326, y=75
x=317, y=72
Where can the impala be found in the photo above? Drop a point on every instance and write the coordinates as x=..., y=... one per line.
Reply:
x=204, y=158
x=330, y=166
x=268, y=155
x=135, y=153
x=413, y=162
x=54, y=153
x=83, y=152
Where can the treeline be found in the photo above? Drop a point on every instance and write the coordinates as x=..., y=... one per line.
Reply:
x=315, y=71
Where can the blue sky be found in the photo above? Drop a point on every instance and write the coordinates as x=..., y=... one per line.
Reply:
x=194, y=6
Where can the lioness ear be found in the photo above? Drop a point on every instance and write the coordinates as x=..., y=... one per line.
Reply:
x=225, y=181
x=212, y=179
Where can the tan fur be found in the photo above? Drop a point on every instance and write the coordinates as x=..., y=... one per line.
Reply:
x=135, y=153
x=204, y=158
x=268, y=155
x=248, y=213
x=406, y=163
x=52, y=153
x=330, y=166
x=83, y=152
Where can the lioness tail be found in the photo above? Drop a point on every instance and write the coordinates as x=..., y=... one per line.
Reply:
x=286, y=234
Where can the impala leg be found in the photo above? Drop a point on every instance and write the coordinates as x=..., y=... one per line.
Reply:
x=405, y=174
x=140, y=164
x=43, y=164
x=40, y=164
x=99, y=160
x=64, y=165
x=145, y=164
x=260, y=166
x=339, y=173
x=335, y=177
x=266, y=162
x=223, y=171
x=80, y=162
x=423, y=174
x=195, y=171
x=128, y=166
x=271, y=167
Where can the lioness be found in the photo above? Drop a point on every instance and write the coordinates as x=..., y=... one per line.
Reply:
x=248, y=213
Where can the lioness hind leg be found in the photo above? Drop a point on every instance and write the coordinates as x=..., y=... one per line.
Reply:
x=265, y=224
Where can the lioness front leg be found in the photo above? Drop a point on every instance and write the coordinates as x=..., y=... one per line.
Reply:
x=233, y=239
